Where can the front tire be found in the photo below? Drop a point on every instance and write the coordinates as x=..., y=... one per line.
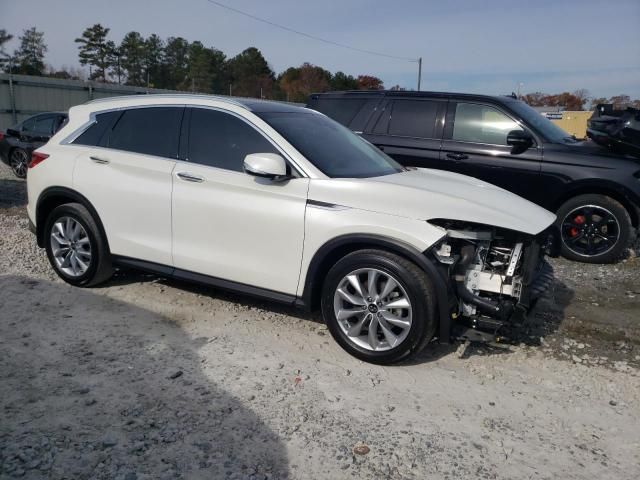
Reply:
x=75, y=247
x=378, y=306
x=594, y=229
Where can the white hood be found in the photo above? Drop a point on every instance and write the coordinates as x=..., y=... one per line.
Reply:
x=425, y=194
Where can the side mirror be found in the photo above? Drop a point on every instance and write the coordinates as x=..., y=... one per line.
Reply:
x=265, y=165
x=519, y=140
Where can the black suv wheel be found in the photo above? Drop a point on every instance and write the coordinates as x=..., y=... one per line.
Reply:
x=594, y=229
x=379, y=306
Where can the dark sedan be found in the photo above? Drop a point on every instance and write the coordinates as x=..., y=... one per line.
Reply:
x=19, y=141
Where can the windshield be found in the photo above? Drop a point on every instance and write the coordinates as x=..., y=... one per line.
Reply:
x=549, y=130
x=332, y=148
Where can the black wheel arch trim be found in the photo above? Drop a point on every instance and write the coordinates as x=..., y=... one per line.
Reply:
x=73, y=195
x=313, y=282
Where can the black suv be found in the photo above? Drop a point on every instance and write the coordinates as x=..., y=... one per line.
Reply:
x=594, y=192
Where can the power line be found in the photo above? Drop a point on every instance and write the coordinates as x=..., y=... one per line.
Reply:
x=308, y=35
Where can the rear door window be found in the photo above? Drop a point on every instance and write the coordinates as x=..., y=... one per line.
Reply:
x=44, y=125
x=222, y=140
x=413, y=118
x=482, y=124
x=151, y=131
x=29, y=125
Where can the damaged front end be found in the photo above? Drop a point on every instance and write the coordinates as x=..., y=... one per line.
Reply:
x=494, y=276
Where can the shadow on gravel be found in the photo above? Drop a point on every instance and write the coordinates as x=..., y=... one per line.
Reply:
x=544, y=319
x=13, y=193
x=127, y=276
x=91, y=387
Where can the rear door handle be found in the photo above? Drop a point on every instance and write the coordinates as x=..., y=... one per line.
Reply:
x=101, y=161
x=188, y=177
x=457, y=156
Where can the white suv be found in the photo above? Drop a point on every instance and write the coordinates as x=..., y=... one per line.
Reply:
x=283, y=203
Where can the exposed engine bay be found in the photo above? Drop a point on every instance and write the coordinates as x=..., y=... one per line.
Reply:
x=494, y=273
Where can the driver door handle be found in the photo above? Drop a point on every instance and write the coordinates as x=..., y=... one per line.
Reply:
x=457, y=156
x=188, y=177
x=101, y=161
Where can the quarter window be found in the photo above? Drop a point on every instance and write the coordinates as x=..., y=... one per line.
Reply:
x=152, y=131
x=221, y=140
x=93, y=135
x=413, y=118
x=481, y=124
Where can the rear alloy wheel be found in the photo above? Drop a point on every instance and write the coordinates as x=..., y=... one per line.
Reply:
x=594, y=229
x=19, y=162
x=378, y=306
x=75, y=246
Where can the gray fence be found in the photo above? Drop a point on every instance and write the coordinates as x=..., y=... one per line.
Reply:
x=23, y=95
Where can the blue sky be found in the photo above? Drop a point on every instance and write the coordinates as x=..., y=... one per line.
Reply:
x=466, y=45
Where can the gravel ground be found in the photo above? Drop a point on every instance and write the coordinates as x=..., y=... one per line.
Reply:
x=146, y=378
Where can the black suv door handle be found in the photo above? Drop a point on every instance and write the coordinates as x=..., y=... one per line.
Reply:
x=457, y=156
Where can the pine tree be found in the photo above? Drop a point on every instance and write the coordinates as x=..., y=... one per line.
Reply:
x=29, y=57
x=97, y=51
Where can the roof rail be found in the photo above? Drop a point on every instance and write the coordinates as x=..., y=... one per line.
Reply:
x=170, y=95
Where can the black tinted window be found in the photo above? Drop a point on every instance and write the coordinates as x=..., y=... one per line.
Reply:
x=29, y=124
x=342, y=110
x=334, y=149
x=152, y=131
x=221, y=140
x=44, y=125
x=413, y=118
x=93, y=134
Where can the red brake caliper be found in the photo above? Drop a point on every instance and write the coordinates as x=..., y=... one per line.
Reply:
x=578, y=220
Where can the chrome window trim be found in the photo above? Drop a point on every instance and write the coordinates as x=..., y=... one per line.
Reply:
x=68, y=140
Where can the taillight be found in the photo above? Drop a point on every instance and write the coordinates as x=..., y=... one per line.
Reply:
x=1, y=136
x=36, y=158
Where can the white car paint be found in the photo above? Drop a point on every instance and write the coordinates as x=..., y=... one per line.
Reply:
x=251, y=230
x=425, y=194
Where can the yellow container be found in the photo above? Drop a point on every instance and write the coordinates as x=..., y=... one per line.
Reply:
x=574, y=123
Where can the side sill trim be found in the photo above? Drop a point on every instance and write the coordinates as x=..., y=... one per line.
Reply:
x=207, y=280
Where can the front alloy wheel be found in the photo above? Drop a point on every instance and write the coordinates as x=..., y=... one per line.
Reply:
x=380, y=307
x=373, y=309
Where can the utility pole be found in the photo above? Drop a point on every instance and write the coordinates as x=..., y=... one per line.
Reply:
x=419, y=72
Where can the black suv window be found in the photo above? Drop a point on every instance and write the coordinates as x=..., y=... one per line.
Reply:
x=94, y=134
x=28, y=125
x=342, y=110
x=44, y=125
x=413, y=118
x=221, y=140
x=481, y=124
x=152, y=131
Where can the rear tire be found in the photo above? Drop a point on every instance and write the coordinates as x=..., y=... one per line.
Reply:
x=19, y=162
x=76, y=249
x=404, y=319
x=594, y=229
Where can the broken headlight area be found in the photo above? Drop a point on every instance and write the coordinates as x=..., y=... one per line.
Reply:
x=494, y=275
